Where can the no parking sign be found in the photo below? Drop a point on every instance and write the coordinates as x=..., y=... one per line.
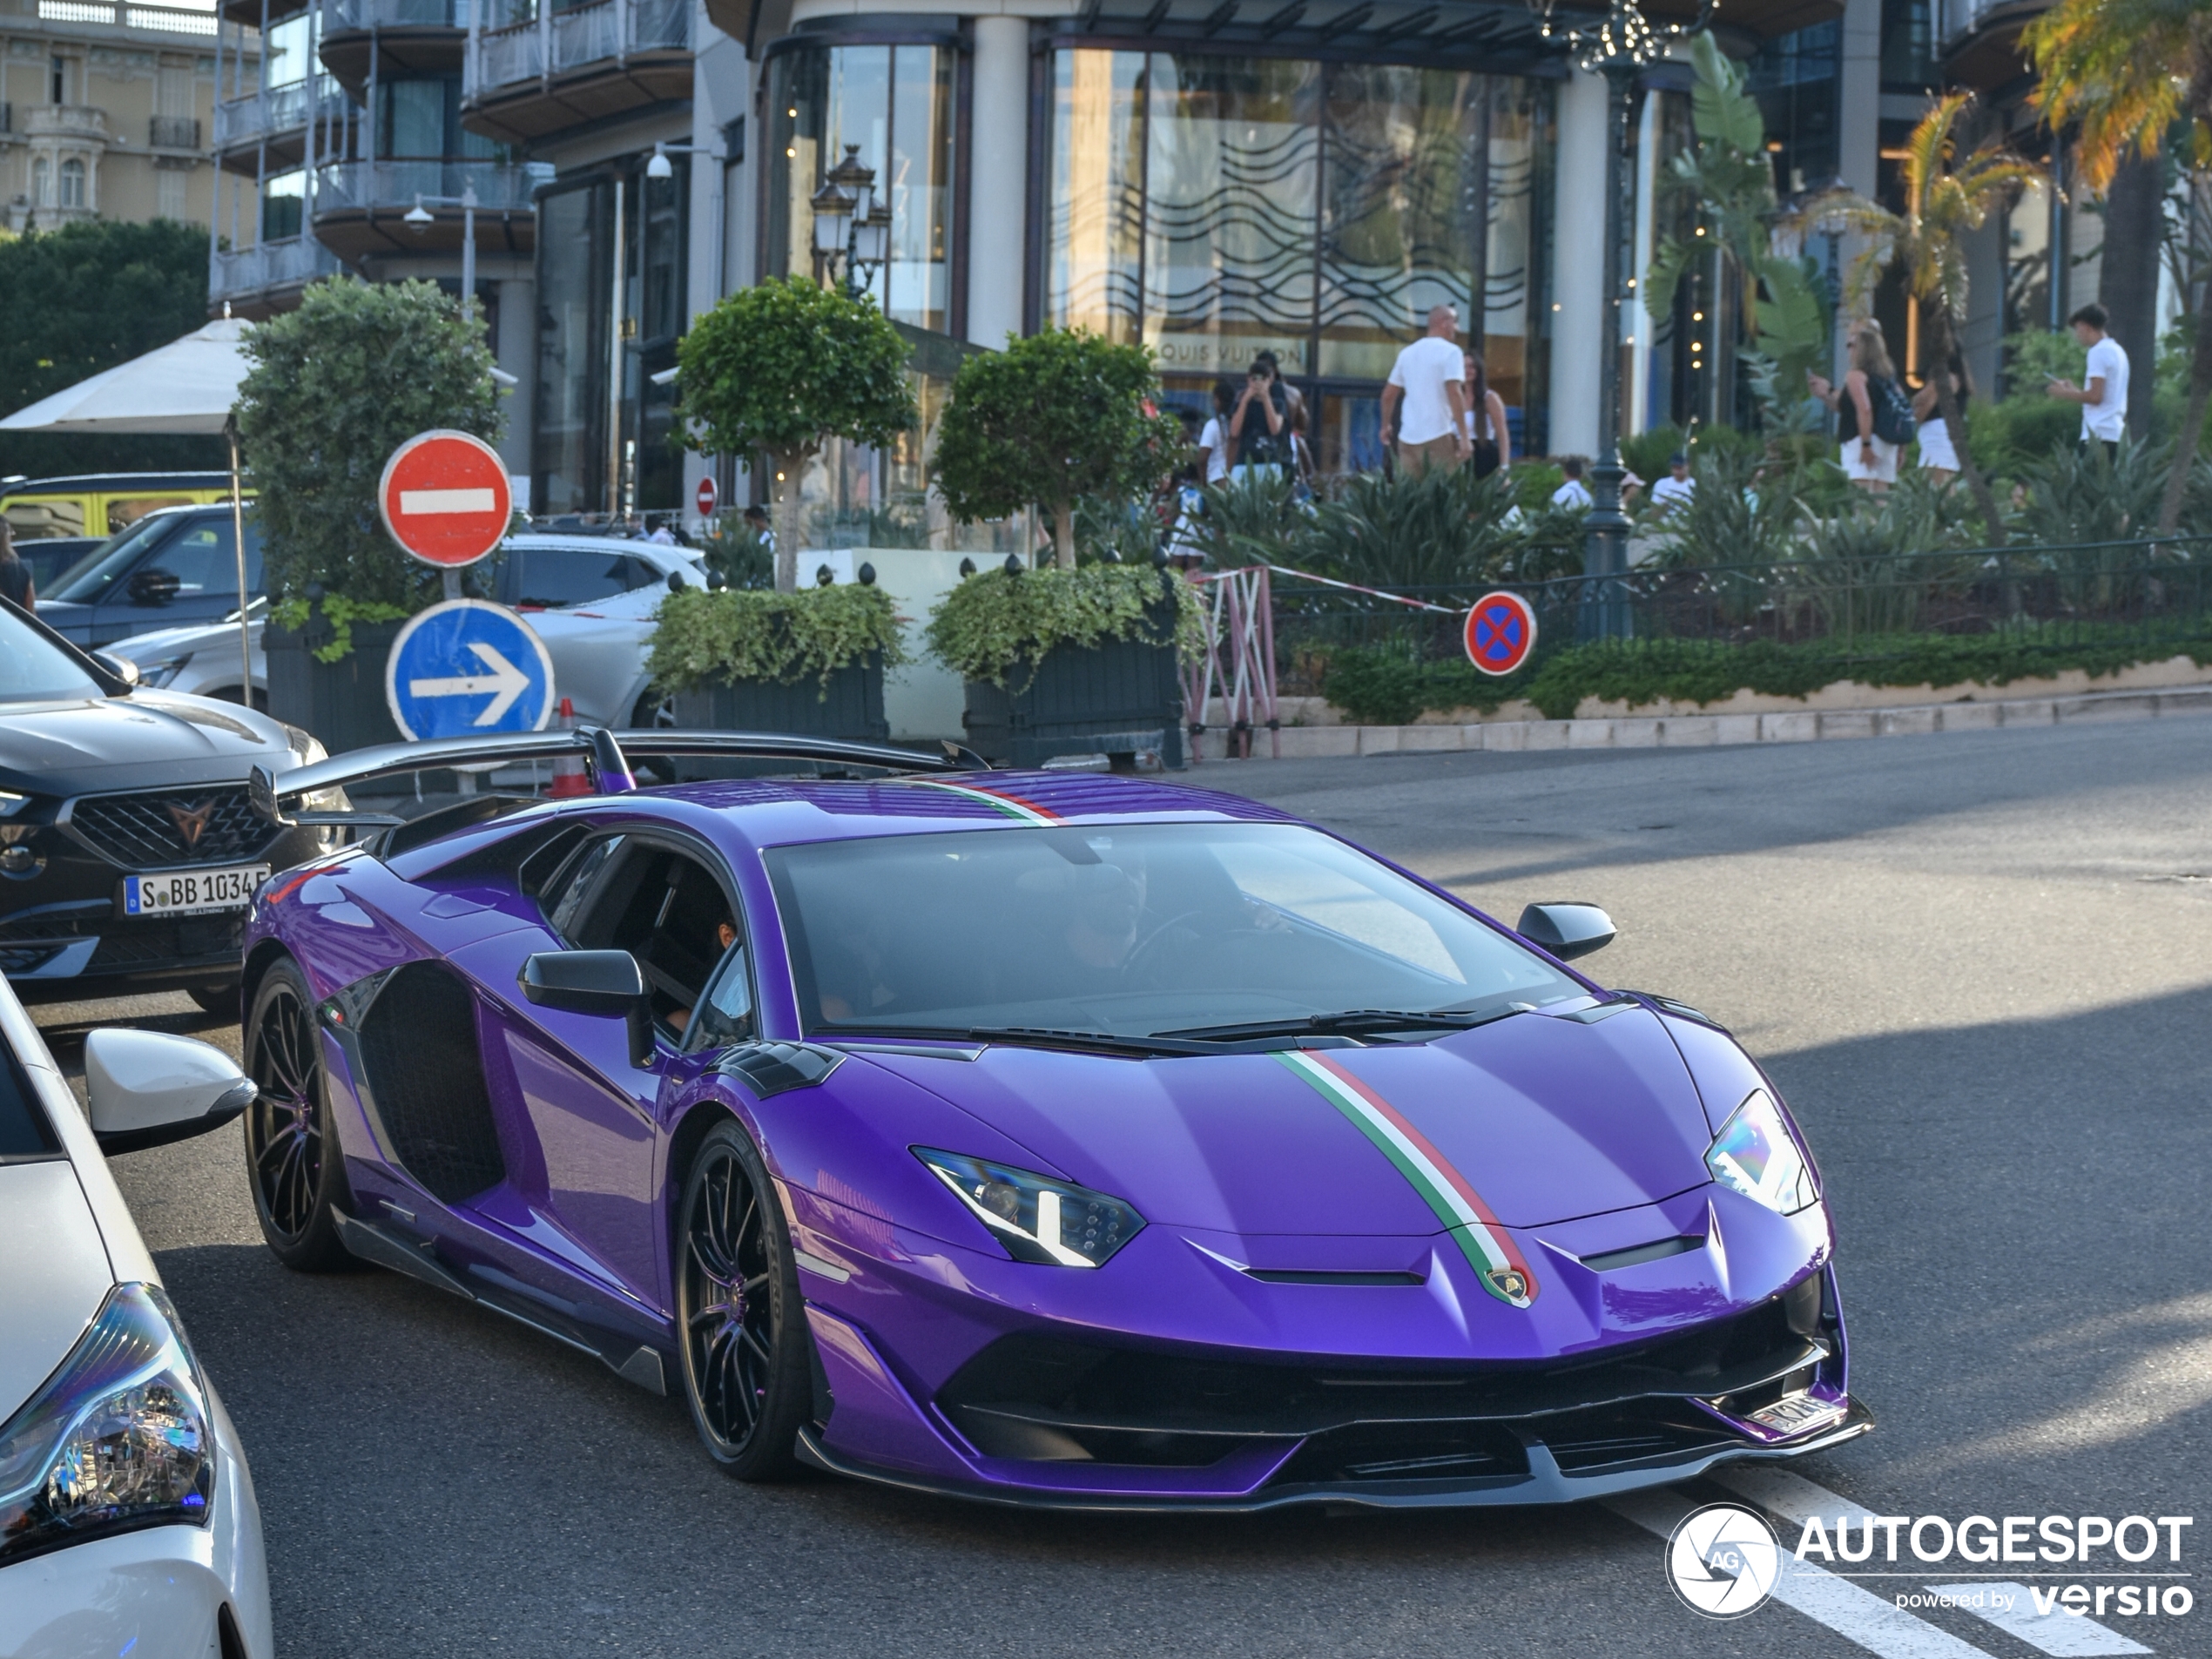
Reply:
x=1500, y=632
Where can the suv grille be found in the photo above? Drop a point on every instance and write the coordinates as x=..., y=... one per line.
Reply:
x=171, y=827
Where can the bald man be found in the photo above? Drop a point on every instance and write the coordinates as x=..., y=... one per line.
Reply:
x=1429, y=379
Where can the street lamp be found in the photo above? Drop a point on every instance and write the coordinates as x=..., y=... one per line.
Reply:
x=1617, y=46
x=850, y=227
x=420, y=219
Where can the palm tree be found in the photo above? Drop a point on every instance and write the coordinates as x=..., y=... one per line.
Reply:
x=1925, y=246
x=2123, y=73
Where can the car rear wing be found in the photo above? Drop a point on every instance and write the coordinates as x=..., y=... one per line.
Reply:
x=604, y=754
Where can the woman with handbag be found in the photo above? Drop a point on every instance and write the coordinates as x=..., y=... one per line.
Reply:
x=1863, y=403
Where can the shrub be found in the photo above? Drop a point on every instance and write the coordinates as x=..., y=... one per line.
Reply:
x=999, y=624
x=704, y=638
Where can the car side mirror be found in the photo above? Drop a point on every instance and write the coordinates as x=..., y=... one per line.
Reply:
x=1567, y=929
x=608, y=983
x=150, y=1087
x=122, y=667
x=154, y=586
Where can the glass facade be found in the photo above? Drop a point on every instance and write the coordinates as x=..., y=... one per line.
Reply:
x=1213, y=207
x=896, y=104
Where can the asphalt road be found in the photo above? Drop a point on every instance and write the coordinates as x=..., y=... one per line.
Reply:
x=1980, y=966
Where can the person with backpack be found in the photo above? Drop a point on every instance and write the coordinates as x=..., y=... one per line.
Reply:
x=1875, y=418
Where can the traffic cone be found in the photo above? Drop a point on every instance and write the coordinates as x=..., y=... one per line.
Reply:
x=569, y=781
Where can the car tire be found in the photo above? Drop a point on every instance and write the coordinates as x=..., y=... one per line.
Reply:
x=747, y=1355
x=216, y=999
x=291, y=1159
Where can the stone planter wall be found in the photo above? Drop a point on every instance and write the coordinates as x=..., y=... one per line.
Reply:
x=342, y=703
x=1120, y=699
x=852, y=707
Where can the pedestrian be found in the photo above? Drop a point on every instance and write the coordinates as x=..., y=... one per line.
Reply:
x=1216, y=452
x=1938, y=455
x=1485, y=422
x=1869, y=404
x=756, y=520
x=1429, y=380
x=1293, y=400
x=1260, y=427
x=1678, y=489
x=2103, y=392
x=1573, y=495
x=16, y=584
x=662, y=536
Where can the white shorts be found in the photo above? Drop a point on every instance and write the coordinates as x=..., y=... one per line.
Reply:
x=1883, y=471
x=1936, y=452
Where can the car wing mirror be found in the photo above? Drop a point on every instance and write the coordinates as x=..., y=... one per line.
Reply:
x=154, y=587
x=608, y=983
x=150, y=1087
x=1567, y=929
x=122, y=667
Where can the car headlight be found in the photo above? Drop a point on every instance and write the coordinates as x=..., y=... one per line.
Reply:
x=11, y=803
x=1755, y=1154
x=118, y=1437
x=1034, y=1218
x=160, y=675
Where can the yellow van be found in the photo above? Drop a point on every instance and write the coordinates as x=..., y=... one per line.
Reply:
x=97, y=504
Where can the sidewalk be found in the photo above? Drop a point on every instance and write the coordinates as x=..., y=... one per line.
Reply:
x=1705, y=731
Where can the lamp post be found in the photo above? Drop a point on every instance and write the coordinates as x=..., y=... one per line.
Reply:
x=420, y=219
x=1617, y=46
x=850, y=227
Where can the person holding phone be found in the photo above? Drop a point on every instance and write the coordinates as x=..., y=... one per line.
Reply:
x=2103, y=394
x=1261, y=426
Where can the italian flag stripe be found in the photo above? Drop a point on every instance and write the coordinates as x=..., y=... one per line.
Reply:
x=1013, y=806
x=1478, y=1232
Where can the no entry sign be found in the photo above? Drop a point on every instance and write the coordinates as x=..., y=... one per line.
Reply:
x=445, y=498
x=706, y=496
x=1500, y=632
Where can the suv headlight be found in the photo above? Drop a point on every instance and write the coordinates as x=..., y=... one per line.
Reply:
x=162, y=674
x=1755, y=1154
x=119, y=1437
x=1034, y=1218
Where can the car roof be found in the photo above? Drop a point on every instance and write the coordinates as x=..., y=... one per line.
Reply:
x=103, y=483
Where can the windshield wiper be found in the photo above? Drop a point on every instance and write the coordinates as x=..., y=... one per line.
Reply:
x=1350, y=1022
x=1033, y=1036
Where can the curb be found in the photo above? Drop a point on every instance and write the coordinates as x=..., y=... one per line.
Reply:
x=1709, y=731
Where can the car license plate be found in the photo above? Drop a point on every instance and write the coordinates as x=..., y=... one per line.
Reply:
x=1796, y=1413
x=184, y=893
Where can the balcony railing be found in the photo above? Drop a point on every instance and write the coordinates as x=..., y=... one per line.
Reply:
x=81, y=122
x=269, y=265
x=356, y=187
x=352, y=15
x=555, y=43
x=275, y=109
x=165, y=20
x=172, y=132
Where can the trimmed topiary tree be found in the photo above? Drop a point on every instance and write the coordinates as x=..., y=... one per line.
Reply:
x=333, y=388
x=781, y=366
x=1054, y=418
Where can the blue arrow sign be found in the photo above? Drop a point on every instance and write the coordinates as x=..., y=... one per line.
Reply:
x=466, y=666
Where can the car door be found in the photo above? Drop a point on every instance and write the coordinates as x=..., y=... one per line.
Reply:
x=189, y=576
x=593, y=1116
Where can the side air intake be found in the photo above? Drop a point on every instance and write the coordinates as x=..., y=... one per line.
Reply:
x=418, y=1045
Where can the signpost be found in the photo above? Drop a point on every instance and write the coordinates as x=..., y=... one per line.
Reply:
x=1500, y=632
x=446, y=499
x=466, y=666
x=707, y=496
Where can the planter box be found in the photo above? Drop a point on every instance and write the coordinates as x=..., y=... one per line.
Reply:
x=853, y=707
x=1120, y=699
x=342, y=703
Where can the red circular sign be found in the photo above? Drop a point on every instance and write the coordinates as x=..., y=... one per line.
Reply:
x=706, y=496
x=1500, y=632
x=445, y=498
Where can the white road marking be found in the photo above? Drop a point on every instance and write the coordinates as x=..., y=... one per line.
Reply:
x=414, y=503
x=1796, y=1498
x=2011, y=1609
x=505, y=682
x=1858, y=1614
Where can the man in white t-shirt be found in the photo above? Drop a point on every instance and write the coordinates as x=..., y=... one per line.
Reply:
x=2103, y=392
x=1677, y=489
x=1574, y=494
x=1430, y=378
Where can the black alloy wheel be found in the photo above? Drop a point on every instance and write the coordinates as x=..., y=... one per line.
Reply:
x=747, y=1370
x=291, y=1157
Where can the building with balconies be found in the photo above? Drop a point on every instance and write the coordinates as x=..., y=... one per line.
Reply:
x=348, y=155
x=103, y=106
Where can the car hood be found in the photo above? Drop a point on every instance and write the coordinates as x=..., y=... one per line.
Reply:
x=58, y=1274
x=145, y=740
x=1547, y=1118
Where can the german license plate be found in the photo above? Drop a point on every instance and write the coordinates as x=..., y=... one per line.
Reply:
x=1797, y=1413
x=184, y=893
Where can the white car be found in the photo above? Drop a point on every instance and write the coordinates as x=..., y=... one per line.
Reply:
x=590, y=599
x=128, y=1523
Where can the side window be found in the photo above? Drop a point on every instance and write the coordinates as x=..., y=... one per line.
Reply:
x=557, y=577
x=724, y=1015
x=204, y=561
x=572, y=891
x=666, y=909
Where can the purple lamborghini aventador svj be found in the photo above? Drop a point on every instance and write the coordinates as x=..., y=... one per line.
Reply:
x=1047, y=1139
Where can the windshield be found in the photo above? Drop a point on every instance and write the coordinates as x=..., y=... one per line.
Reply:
x=34, y=669
x=1131, y=931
